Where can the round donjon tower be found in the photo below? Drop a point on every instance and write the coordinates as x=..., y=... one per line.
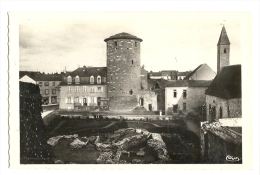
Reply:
x=123, y=69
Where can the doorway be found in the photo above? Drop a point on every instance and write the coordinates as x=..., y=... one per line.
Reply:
x=150, y=107
x=141, y=102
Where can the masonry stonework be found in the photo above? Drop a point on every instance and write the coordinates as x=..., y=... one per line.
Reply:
x=123, y=67
x=231, y=108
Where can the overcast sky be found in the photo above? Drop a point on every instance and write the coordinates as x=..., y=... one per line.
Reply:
x=50, y=42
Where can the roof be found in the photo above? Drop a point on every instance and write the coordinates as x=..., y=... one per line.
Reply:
x=227, y=84
x=162, y=83
x=123, y=35
x=37, y=76
x=183, y=73
x=193, y=72
x=89, y=71
x=223, y=38
x=189, y=83
x=155, y=73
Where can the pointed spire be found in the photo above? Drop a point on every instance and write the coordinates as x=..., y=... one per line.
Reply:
x=223, y=38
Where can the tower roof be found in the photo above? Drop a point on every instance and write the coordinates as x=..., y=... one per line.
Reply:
x=123, y=35
x=223, y=38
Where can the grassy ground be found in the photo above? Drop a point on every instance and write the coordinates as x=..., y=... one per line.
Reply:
x=84, y=155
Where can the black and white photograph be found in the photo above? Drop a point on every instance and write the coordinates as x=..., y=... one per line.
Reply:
x=142, y=91
x=121, y=87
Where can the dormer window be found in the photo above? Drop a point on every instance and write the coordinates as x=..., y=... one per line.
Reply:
x=98, y=79
x=92, y=79
x=69, y=80
x=77, y=80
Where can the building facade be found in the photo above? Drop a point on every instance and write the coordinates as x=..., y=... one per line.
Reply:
x=48, y=84
x=185, y=97
x=84, y=89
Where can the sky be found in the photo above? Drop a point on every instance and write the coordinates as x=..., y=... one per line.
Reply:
x=52, y=42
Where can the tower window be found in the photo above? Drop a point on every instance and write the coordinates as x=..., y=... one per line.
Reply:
x=135, y=44
x=132, y=61
x=115, y=43
x=131, y=92
x=225, y=50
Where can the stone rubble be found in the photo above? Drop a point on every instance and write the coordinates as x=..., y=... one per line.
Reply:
x=54, y=140
x=78, y=144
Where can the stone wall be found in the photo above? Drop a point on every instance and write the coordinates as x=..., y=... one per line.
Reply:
x=215, y=149
x=223, y=58
x=149, y=98
x=231, y=108
x=123, y=67
x=123, y=103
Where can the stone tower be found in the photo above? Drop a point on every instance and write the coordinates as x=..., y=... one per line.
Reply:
x=123, y=69
x=223, y=50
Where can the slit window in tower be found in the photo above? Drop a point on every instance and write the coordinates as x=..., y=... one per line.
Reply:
x=135, y=44
x=225, y=51
x=132, y=61
x=115, y=43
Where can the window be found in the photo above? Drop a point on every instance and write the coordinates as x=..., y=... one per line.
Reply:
x=53, y=91
x=92, y=99
x=92, y=80
x=175, y=108
x=114, y=88
x=104, y=79
x=98, y=79
x=111, y=77
x=40, y=84
x=92, y=89
x=69, y=88
x=115, y=43
x=225, y=50
x=131, y=92
x=135, y=44
x=77, y=89
x=174, y=93
x=99, y=89
x=209, y=108
x=220, y=112
x=53, y=83
x=69, y=80
x=46, y=83
x=184, y=107
x=132, y=61
x=84, y=88
x=76, y=100
x=46, y=91
x=77, y=80
x=69, y=100
x=184, y=94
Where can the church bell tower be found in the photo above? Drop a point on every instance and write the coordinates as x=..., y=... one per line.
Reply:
x=223, y=50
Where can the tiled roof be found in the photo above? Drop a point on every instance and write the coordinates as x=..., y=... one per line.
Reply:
x=193, y=72
x=89, y=71
x=227, y=84
x=189, y=83
x=37, y=76
x=123, y=35
x=223, y=38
